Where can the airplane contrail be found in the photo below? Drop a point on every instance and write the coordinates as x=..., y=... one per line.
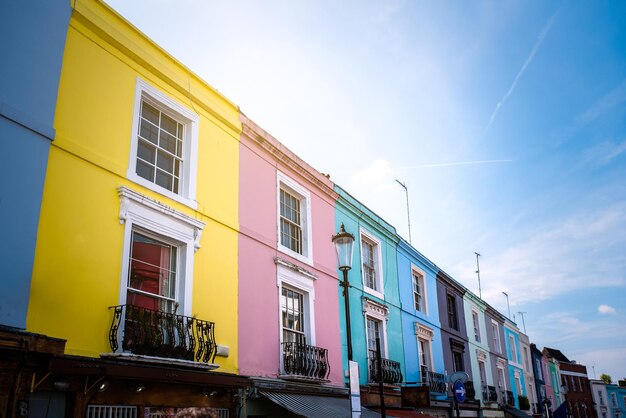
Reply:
x=456, y=163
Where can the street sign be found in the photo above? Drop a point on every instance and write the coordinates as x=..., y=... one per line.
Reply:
x=462, y=376
x=459, y=391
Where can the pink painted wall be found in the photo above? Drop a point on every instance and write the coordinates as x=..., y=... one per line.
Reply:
x=547, y=379
x=261, y=157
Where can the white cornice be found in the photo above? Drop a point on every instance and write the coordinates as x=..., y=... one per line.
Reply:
x=281, y=153
x=134, y=204
x=295, y=267
x=422, y=331
x=375, y=309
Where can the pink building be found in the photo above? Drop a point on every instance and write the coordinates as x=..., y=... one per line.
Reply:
x=288, y=282
x=548, y=381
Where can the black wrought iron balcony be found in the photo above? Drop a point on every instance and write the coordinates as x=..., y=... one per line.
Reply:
x=509, y=399
x=161, y=334
x=470, y=392
x=305, y=361
x=390, y=374
x=436, y=382
x=490, y=394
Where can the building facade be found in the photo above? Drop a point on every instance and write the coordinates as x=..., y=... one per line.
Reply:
x=514, y=356
x=136, y=259
x=374, y=301
x=421, y=327
x=497, y=353
x=479, y=352
x=454, y=339
x=289, y=335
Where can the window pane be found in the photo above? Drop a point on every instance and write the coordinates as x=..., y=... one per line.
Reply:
x=293, y=316
x=152, y=271
x=165, y=162
x=150, y=113
x=290, y=226
x=159, y=144
x=163, y=180
x=149, y=132
x=145, y=170
x=145, y=151
x=168, y=124
x=168, y=142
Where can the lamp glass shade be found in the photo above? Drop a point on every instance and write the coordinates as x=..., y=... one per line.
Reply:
x=344, y=245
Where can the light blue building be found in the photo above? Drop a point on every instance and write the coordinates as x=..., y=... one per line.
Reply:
x=516, y=368
x=423, y=352
x=616, y=400
x=32, y=41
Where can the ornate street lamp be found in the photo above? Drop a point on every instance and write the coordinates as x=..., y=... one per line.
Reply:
x=344, y=245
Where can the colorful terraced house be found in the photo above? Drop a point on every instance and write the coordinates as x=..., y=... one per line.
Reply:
x=136, y=259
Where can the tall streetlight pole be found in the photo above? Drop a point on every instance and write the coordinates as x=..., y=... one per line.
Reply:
x=507, y=303
x=480, y=292
x=523, y=322
x=408, y=214
x=344, y=245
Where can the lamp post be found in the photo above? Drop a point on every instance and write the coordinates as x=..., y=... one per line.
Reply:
x=344, y=245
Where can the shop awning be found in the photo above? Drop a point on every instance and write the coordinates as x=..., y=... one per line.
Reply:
x=312, y=406
x=514, y=412
x=405, y=413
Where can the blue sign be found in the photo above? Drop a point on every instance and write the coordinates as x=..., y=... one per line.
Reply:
x=459, y=391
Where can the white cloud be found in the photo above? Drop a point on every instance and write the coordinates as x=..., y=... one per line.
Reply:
x=378, y=175
x=555, y=258
x=610, y=360
x=606, y=309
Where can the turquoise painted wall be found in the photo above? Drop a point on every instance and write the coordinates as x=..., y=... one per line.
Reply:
x=357, y=217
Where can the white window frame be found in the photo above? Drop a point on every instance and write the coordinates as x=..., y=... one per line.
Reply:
x=296, y=190
x=190, y=120
x=303, y=284
x=422, y=278
x=525, y=359
x=363, y=234
x=495, y=327
x=379, y=312
x=501, y=376
x=424, y=335
x=138, y=211
x=482, y=372
x=518, y=382
x=513, y=349
x=476, y=325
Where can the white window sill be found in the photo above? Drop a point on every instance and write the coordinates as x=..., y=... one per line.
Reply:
x=373, y=292
x=162, y=191
x=293, y=254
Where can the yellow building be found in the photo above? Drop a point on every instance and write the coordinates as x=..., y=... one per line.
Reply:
x=136, y=258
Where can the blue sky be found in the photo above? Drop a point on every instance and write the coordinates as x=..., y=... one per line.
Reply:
x=506, y=120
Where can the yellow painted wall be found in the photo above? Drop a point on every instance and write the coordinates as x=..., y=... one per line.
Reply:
x=78, y=259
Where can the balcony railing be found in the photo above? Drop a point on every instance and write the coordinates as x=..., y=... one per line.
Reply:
x=306, y=361
x=435, y=381
x=470, y=392
x=489, y=394
x=391, y=373
x=162, y=334
x=507, y=397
